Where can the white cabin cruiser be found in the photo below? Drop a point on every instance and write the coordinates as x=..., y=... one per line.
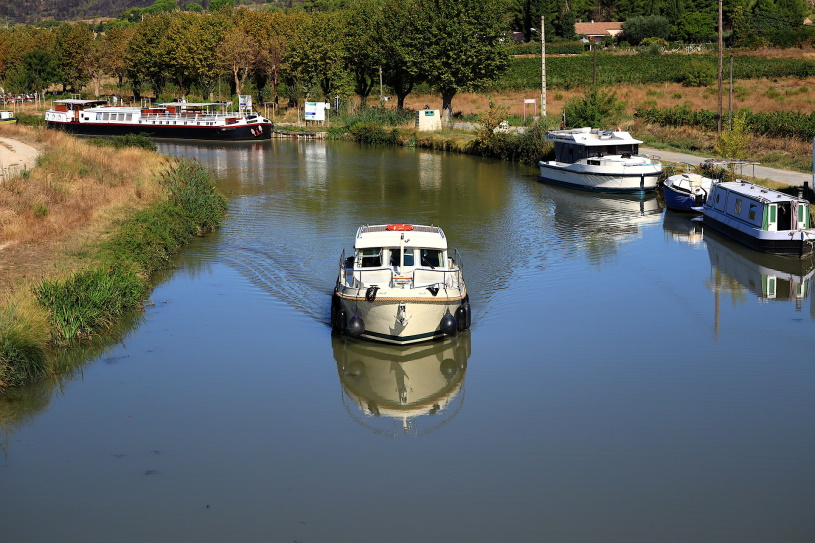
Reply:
x=400, y=286
x=599, y=160
x=763, y=219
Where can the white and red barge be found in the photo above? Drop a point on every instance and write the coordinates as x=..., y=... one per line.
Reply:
x=178, y=120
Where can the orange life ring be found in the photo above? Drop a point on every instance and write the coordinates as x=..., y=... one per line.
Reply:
x=400, y=227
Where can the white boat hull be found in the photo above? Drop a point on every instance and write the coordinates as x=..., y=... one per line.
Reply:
x=621, y=178
x=401, y=319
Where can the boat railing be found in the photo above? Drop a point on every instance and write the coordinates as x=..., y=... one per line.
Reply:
x=386, y=277
x=189, y=116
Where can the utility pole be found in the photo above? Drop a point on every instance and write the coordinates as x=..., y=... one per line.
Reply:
x=721, y=53
x=730, y=97
x=543, y=71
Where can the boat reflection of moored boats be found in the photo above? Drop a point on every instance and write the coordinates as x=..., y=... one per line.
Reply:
x=410, y=390
x=768, y=276
x=683, y=227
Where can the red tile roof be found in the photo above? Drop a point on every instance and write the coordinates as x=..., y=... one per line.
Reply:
x=598, y=29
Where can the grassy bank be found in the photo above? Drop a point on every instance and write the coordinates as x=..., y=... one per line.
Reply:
x=82, y=233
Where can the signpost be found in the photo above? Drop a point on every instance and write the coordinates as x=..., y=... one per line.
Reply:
x=315, y=111
x=529, y=101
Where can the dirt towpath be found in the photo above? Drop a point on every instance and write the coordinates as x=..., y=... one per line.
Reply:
x=15, y=157
x=761, y=172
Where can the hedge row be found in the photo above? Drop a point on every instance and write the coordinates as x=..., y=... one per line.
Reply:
x=777, y=124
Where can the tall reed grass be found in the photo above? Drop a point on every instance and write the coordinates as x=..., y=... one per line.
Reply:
x=129, y=208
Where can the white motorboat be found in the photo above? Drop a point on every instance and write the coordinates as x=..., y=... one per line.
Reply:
x=763, y=219
x=600, y=160
x=400, y=286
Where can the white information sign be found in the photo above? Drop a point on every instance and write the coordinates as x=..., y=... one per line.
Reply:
x=315, y=111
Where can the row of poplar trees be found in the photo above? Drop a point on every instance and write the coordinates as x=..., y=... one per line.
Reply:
x=452, y=45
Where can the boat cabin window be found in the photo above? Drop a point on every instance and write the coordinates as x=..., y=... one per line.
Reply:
x=752, y=213
x=370, y=258
x=431, y=258
x=396, y=257
x=105, y=116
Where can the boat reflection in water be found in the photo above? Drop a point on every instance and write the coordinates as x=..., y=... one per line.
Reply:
x=408, y=390
x=736, y=268
x=682, y=227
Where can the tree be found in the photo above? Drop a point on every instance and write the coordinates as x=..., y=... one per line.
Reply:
x=73, y=47
x=236, y=54
x=317, y=55
x=217, y=5
x=363, y=35
x=147, y=54
x=402, y=68
x=460, y=44
x=272, y=31
x=636, y=29
x=37, y=71
x=694, y=27
x=117, y=39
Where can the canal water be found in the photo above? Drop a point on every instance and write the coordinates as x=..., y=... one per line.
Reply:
x=628, y=376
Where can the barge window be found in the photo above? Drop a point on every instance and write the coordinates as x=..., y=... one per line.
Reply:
x=738, y=206
x=752, y=213
x=370, y=258
x=431, y=258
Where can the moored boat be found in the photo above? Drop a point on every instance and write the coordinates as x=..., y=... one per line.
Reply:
x=7, y=117
x=686, y=191
x=761, y=218
x=601, y=161
x=179, y=120
x=401, y=285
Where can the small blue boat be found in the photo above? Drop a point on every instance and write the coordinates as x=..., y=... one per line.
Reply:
x=686, y=192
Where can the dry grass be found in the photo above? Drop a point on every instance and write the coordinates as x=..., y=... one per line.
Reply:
x=71, y=198
x=759, y=95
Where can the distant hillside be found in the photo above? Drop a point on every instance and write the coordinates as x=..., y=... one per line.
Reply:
x=29, y=11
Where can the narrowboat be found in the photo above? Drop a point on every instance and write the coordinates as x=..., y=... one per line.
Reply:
x=765, y=220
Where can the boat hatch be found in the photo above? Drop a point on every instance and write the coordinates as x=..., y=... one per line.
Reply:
x=803, y=215
x=771, y=218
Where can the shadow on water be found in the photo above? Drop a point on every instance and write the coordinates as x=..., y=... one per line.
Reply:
x=402, y=390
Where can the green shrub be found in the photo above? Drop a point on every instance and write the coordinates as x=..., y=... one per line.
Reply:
x=697, y=74
x=40, y=211
x=366, y=132
x=597, y=109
